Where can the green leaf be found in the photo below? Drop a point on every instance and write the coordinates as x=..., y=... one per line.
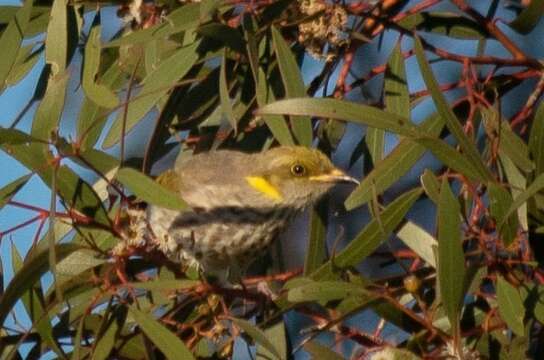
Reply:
x=293, y=84
x=516, y=149
x=98, y=93
x=397, y=101
x=318, y=351
x=396, y=94
x=105, y=343
x=166, y=284
x=14, y=137
x=375, y=142
x=183, y=18
x=510, y=306
x=518, y=183
x=56, y=42
x=344, y=110
x=226, y=104
x=529, y=17
x=34, y=305
x=257, y=335
x=453, y=159
x=445, y=111
x=76, y=263
x=26, y=60
x=445, y=23
x=277, y=124
x=431, y=185
x=500, y=201
x=418, y=240
x=92, y=118
x=49, y=112
x=316, y=251
x=208, y=8
x=393, y=167
x=225, y=34
x=451, y=259
x=536, y=140
x=155, y=86
x=148, y=190
x=532, y=190
x=391, y=353
x=73, y=190
x=33, y=269
x=9, y=190
x=325, y=291
x=167, y=342
x=277, y=336
x=11, y=39
x=371, y=236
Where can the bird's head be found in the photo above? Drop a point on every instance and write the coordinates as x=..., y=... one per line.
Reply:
x=295, y=175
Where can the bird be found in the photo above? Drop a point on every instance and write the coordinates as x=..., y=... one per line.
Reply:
x=240, y=203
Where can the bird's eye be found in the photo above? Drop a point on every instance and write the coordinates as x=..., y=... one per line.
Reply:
x=298, y=170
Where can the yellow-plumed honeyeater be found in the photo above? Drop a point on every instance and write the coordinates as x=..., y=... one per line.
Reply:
x=240, y=202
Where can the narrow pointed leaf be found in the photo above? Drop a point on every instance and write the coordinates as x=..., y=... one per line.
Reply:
x=26, y=60
x=155, y=86
x=167, y=342
x=318, y=351
x=149, y=190
x=393, y=167
x=325, y=291
x=396, y=95
x=445, y=111
x=453, y=159
x=293, y=84
x=536, y=140
x=344, y=110
x=49, y=112
x=371, y=236
x=33, y=269
x=34, y=305
x=451, y=260
x=431, y=185
x=529, y=17
x=106, y=342
x=518, y=182
x=98, y=93
x=92, y=118
x=9, y=190
x=445, y=23
x=11, y=39
x=56, y=48
x=317, y=246
x=278, y=338
x=257, y=335
x=227, y=35
x=74, y=191
x=510, y=306
x=418, y=240
x=500, y=201
x=226, y=105
x=276, y=123
x=14, y=137
x=532, y=190
x=516, y=149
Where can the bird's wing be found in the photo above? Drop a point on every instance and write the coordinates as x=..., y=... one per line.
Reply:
x=206, y=177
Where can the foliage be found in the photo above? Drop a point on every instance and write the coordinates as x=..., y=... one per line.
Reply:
x=227, y=74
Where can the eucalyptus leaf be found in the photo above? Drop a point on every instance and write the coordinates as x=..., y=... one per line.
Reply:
x=149, y=190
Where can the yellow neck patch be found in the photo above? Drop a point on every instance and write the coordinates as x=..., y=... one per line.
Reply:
x=264, y=186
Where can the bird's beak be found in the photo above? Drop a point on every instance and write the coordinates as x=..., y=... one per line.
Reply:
x=335, y=176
